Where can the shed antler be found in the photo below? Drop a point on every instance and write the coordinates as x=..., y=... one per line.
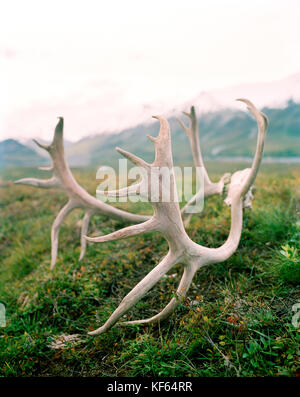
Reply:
x=167, y=220
x=210, y=188
x=63, y=179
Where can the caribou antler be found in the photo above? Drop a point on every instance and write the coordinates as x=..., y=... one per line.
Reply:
x=167, y=220
x=63, y=179
x=210, y=188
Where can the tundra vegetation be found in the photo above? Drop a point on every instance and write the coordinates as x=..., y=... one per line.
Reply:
x=236, y=319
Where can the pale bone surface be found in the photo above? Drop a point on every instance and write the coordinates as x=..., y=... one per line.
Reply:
x=210, y=188
x=63, y=179
x=167, y=220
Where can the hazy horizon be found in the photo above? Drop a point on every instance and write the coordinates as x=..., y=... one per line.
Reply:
x=105, y=66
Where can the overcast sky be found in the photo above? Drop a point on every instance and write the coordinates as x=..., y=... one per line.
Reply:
x=103, y=64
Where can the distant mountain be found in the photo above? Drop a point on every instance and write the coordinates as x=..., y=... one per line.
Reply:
x=93, y=111
x=81, y=153
x=223, y=133
x=13, y=153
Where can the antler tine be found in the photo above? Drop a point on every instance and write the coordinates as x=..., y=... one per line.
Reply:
x=55, y=230
x=191, y=115
x=57, y=141
x=58, y=133
x=262, y=123
x=210, y=188
x=162, y=146
x=43, y=183
x=163, y=155
x=84, y=230
x=139, y=291
x=45, y=147
x=133, y=158
x=46, y=168
x=149, y=226
x=242, y=181
x=123, y=192
x=164, y=131
x=192, y=119
x=183, y=126
x=181, y=292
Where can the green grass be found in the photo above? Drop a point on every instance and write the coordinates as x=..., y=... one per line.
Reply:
x=236, y=321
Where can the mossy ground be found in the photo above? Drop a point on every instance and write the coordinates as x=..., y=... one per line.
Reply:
x=236, y=321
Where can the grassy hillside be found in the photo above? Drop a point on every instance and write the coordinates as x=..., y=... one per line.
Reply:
x=236, y=320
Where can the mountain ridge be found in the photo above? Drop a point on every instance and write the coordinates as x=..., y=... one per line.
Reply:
x=13, y=153
x=225, y=133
